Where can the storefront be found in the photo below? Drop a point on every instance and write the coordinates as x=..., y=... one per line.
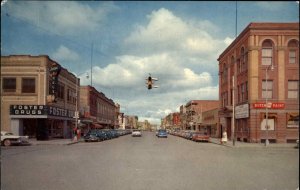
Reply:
x=210, y=123
x=241, y=125
x=41, y=122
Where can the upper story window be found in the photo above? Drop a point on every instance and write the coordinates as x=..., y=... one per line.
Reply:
x=267, y=53
x=9, y=84
x=293, y=89
x=61, y=91
x=28, y=85
x=224, y=74
x=267, y=89
x=293, y=49
x=243, y=61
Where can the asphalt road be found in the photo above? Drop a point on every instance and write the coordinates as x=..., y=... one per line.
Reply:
x=148, y=163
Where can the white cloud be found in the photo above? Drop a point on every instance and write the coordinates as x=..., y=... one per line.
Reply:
x=180, y=52
x=228, y=41
x=64, y=17
x=65, y=54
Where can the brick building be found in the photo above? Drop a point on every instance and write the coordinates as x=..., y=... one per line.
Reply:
x=38, y=97
x=96, y=110
x=261, y=65
x=194, y=110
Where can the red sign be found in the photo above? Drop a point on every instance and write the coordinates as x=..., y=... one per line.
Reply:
x=276, y=105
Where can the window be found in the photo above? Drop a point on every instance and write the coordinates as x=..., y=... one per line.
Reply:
x=61, y=91
x=293, y=87
x=243, y=91
x=267, y=89
x=71, y=96
x=267, y=53
x=293, y=51
x=243, y=60
x=28, y=85
x=9, y=84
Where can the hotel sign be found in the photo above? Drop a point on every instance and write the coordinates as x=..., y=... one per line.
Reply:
x=36, y=110
x=241, y=111
x=275, y=105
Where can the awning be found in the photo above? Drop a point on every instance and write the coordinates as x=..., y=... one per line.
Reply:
x=96, y=125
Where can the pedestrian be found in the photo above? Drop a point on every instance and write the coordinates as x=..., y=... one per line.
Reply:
x=224, y=138
x=75, y=134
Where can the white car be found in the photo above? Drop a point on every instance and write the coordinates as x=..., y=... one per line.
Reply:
x=136, y=134
x=8, y=139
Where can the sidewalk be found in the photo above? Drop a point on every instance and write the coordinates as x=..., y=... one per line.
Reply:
x=54, y=142
x=239, y=144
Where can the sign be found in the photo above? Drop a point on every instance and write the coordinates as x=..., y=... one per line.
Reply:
x=28, y=110
x=242, y=111
x=40, y=110
x=275, y=105
x=53, y=82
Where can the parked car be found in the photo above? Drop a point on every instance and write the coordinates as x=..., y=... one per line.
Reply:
x=162, y=133
x=8, y=139
x=91, y=137
x=200, y=136
x=136, y=133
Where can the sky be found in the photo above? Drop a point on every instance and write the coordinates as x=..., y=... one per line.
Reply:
x=119, y=43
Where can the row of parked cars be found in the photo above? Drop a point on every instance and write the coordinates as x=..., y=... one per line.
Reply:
x=96, y=135
x=197, y=136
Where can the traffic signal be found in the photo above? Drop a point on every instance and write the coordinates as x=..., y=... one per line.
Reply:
x=149, y=82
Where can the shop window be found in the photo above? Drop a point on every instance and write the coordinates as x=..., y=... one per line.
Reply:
x=293, y=120
x=267, y=53
x=271, y=125
x=293, y=89
x=267, y=89
x=28, y=85
x=9, y=84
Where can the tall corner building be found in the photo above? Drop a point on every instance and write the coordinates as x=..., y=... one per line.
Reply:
x=259, y=77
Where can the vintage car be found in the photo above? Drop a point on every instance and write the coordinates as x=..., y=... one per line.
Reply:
x=200, y=136
x=136, y=133
x=162, y=133
x=8, y=139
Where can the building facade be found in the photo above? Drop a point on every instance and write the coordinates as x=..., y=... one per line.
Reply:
x=259, y=76
x=96, y=110
x=210, y=123
x=194, y=110
x=38, y=97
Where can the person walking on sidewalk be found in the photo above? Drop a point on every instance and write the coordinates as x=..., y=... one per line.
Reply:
x=75, y=134
x=224, y=138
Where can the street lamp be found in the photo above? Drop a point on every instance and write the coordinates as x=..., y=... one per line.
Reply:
x=266, y=91
x=76, y=109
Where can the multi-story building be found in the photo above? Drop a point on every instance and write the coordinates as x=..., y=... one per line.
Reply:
x=194, y=110
x=38, y=97
x=96, y=109
x=259, y=76
x=172, y=121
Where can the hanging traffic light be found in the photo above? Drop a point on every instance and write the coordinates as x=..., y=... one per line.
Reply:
x=150, y=82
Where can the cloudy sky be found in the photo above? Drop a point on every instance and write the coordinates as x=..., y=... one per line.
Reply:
x=178, y=42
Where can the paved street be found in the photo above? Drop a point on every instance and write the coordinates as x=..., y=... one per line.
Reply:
x=148, y=163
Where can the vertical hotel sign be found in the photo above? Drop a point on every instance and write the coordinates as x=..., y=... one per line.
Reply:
x=54, y=72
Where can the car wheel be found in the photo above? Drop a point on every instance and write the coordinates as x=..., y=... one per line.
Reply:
x=7, y=142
